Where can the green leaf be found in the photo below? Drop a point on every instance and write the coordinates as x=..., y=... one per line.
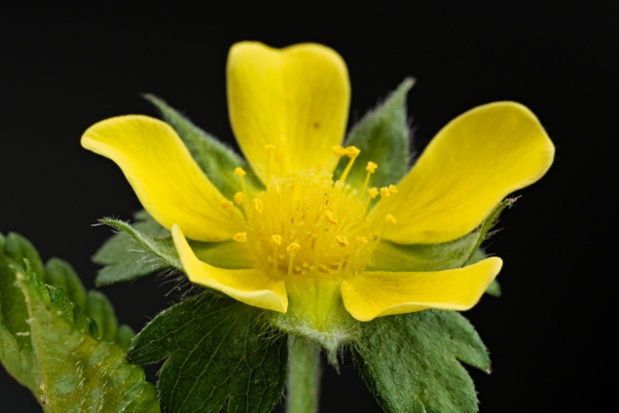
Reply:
x=383, y=136
x=215, y=350
x=18, y=248
x=51, y=350
x=411, y=362
x=13, y=310
x=62, y=275
x=214, y=158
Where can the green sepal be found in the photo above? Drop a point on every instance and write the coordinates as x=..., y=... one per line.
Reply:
x=390, y=256
x=53, y=353
x=411, y=362
x=494, y=289
x=214, y=158
x=124, y=257
x=146, y=253
x=216, y=349
x=383, y=136
x=134, y=253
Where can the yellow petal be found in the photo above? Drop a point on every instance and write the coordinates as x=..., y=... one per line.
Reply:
x=287, y=107
x=473, y=163
x=164, y=176
x=380, y=293
x=250, y=286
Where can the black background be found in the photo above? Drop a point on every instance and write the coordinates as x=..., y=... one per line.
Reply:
x=64, y=67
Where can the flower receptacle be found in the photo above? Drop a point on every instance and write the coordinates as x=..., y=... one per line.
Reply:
x=317, y=313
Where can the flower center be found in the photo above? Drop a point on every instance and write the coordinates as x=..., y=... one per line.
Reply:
x=306, y=222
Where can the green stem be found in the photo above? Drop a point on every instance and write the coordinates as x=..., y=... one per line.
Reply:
x=303, y=376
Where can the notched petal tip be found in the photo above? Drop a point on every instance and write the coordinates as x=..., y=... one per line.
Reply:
x=250, y=286
x=293, y=100
x=381, y=293
x=165, y=177
x=472, y=164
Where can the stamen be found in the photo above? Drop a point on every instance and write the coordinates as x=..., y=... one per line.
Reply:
x=292, y=250
x=258, y=205
x=240, y=237
x=372, y=193
x=227, y=204
x=352, y=152
x=390, y=219
x=238, y=171
x=343, y=242
x=393, y=189
x=371, y=168
x=276, y=240
x=330, y=217
x=384, y=192
x=239, y=197
x=338, y=150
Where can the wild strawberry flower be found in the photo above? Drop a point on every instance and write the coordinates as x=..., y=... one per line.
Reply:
x=312, y=235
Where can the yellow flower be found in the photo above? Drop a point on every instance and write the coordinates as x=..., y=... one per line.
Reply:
x=312, y=235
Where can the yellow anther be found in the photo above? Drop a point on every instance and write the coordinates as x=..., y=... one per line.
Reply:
x=342, y=240
x=227, y=204
x=352, y=151
x=393, y=189
x=293, y=248
x=390, y=219
x=239, y=197
x=373, y=192
x=371, y=167
x=240, y=237
x=258, y=205
x=276, y=239
x=384, y=192
x=238, y=171
x=362, y=240
x=338, y=150
x=330, y=217
x=269, y=147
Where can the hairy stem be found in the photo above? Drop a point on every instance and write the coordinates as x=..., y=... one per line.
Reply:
x=303, y=376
